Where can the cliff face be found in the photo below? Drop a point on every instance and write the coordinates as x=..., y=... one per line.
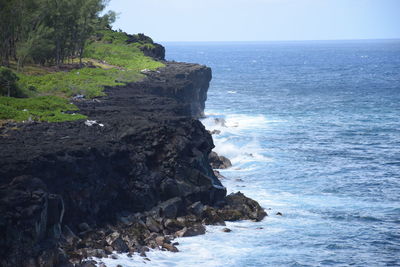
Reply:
x=146, y=147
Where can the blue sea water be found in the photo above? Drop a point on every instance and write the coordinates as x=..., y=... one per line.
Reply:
x=313, y=132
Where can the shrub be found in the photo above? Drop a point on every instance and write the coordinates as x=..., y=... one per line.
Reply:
x=8, y=83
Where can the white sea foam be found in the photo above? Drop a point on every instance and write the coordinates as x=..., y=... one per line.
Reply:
x=199, y=250
x=238, y=140
x=233, y=127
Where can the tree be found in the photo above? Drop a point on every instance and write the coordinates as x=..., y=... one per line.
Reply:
x=8, y=82
x=48, y=31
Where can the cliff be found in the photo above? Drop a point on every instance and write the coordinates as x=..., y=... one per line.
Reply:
x=143, y=147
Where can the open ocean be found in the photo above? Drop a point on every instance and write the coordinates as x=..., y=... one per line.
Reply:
x=313, y=132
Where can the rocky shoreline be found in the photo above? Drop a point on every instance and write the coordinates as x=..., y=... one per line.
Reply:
x=134, y=177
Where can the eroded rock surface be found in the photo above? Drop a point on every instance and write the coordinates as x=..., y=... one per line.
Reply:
x=218, y=162
x=136, y=179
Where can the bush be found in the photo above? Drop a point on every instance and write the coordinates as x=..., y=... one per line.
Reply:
x=8, y=83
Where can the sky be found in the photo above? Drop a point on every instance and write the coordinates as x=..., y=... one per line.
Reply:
x=259, y=20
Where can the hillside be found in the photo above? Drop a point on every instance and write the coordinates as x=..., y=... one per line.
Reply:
x=111, y=58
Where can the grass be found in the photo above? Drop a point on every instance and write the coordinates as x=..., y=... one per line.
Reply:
x=126, y=56
x=114, y=60
x=42, y=108
x=86, y=81
x=111, y=50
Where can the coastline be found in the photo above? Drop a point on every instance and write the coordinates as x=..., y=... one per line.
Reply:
x=134, y=179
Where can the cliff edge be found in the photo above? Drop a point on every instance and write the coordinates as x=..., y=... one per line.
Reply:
x=141, y=154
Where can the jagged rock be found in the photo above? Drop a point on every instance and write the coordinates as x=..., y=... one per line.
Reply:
x=154, y=50
x=160, y=240
x=112, y=237
x=210, y=215
x=226, y=230
x=219, y=162
x=26, y=222
x=170, y=247
x=108, y=250
x=153, y=225
x=170, y=208
x=218, y=174
x=196, y=208
x=124, y=181
x=196, y=229
x=98, y=253
x=188, y=220
x=215, y=132
x=173, y=224
x=240, y=207
x=119, y=245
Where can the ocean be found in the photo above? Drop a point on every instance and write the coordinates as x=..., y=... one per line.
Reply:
x=313, y=132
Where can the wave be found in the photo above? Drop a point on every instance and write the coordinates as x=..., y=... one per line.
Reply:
x=237, y=138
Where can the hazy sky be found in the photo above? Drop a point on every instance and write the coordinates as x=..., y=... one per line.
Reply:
x=259, y=20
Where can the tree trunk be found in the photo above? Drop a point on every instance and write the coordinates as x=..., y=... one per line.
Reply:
x=80, y=56
x=8, y=88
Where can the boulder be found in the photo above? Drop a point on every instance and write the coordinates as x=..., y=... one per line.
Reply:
x=119, y=245
x=210, y=216
x=170, y=247
x=215, y=132
x=240, y=207
x=112, y=237
x=153, y=225
x=98, y=253
x=170, y=208
x=196, y=229
x=218, y=162
x=173, y=224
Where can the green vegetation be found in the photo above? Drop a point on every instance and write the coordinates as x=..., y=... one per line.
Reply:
x=44, y=108
x=127, y=56
x=114, y=62
x=89, y=82
x=48, y=32
x=53, y=50
x=8, y=83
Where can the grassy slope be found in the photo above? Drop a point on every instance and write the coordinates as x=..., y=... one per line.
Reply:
x=114, y=63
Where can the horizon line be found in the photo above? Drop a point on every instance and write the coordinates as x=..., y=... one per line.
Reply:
x=300, y=40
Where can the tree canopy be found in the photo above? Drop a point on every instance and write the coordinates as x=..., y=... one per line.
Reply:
x=48, y=31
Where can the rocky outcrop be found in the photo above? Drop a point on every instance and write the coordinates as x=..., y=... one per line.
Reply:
x=186, y=83
x=148, y=47
x=30, y=224
x=136, y=233
x=218, y=162
x=138, y=175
